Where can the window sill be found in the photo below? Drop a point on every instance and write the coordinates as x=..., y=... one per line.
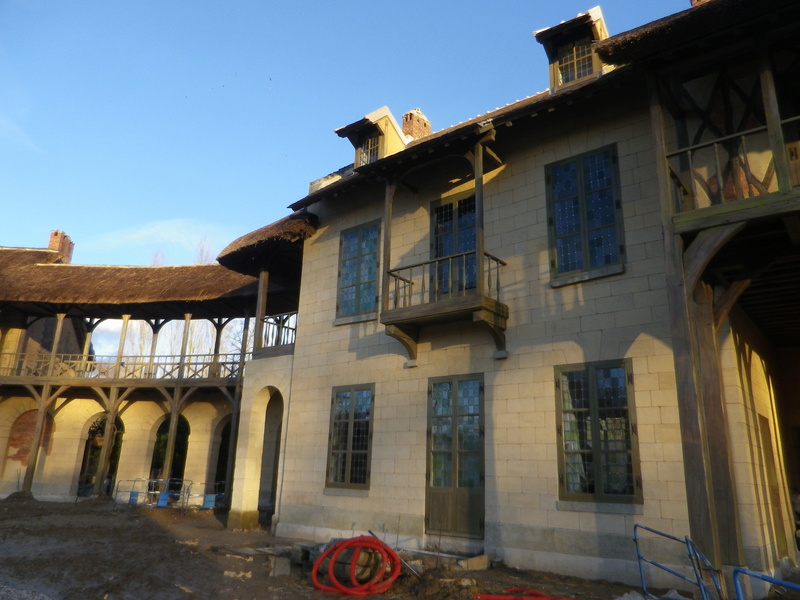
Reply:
x=560, y=281
x=599, y=507
x=350, y=319
x=353, y=493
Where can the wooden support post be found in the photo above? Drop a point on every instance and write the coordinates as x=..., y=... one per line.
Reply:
x=187, y=322
x=56, y=339
x=109, y=439
x=174, y=415
x=699, y=493
x=261, y=309
x=388, y=208
x=121, y=348
x=773, y=115
x=714, y=415
x=479, y=242
x=36, y=440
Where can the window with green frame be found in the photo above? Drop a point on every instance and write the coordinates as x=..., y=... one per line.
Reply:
x=596, y=428
x=584, y=216
x=358, y=270
x=350, y=436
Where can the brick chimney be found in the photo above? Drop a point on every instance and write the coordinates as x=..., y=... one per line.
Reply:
x=60, y=242
x=415, y=124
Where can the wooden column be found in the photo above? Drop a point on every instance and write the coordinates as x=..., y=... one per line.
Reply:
x=36, y=439
x=479, y=242
x=236, y=407
x=699, y=493
x=56, y=339
x=773, y=116
x=388, y=209
x=715, y=417
x=261, y=309
x=174, y=415
x=187, y=322
x=121, y=348
x=109, y=438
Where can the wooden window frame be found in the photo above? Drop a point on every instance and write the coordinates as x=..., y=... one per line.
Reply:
x=349, y=452
x=598, y=466
x=586, y=271
x=339, y=287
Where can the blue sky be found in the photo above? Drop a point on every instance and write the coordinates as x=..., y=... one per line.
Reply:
x=143, y=127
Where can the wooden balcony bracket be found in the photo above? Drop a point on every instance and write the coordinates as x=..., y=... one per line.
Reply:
x=409, y=337
x=496, y=326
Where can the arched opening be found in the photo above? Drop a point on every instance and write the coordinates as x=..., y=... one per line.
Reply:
x=270, y=456
x=179, y=454
x=221, y=471
x=18, y=447
x=91, y=457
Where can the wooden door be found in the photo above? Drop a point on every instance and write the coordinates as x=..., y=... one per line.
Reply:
x=455, y=475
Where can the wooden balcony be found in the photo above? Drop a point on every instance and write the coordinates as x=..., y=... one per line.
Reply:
x=735, y=178
x=445, y=290
x=77, y=368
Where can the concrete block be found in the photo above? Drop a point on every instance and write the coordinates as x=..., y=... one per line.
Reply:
x=476, y=563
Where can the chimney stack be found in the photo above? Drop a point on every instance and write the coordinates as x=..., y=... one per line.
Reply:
x=415, y=124
x=60, y=242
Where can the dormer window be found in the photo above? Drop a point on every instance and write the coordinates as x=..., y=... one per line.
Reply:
x=569, y=48
x=575, y=61
x=368, y=151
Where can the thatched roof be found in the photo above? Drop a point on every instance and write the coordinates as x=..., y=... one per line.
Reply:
x=31, y=283
x=277, y=247
x=700, y=24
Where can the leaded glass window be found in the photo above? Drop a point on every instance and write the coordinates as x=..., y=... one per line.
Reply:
x=358, y=270
x=584, y=215
x=350, y=437
x=597, y=433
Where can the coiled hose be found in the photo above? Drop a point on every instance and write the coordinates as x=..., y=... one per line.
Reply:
x=384, y=574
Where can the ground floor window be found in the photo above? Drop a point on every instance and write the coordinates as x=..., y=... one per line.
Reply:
x=350, y=437
x=596, y=427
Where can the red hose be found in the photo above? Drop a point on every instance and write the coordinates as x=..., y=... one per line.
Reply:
x=384, y=576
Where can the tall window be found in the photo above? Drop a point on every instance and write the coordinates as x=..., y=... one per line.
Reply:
x=350, y=438
x=584, y=215
x=597, y=433
x=368, y=150
x=575, y=61
x=454, y=242
x=358, y=270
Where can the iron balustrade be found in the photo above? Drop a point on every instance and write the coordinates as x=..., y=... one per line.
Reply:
x=190, y=366
x=448, y=277
x=730, y=168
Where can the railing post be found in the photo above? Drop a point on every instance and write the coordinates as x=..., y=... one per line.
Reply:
x=123, y=334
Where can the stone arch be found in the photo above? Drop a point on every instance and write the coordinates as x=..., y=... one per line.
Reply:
x=270, y=458
x=18, y=446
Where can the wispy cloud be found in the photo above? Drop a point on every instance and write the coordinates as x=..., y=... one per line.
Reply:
x=177, y=240
x=13, y=133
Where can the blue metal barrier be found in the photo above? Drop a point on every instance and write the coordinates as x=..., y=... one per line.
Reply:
x=737, y=581
x=700, y=566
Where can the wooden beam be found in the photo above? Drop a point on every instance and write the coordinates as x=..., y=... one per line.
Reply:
x=739, y=211
x=702, y=250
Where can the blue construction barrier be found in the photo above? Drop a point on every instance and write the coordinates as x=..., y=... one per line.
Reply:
x=705, y=578
x=739, y=572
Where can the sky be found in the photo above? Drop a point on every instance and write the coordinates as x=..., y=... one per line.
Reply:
x=159, y=131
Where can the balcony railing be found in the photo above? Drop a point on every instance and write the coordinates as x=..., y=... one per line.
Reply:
x=193, y=366
x=443, y=278
x=730, y=168
x=279, y=330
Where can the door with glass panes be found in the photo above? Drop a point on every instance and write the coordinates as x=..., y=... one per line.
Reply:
x=453, y=238
x=455, y=476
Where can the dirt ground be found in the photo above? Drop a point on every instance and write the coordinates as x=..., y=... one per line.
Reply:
x=96, y=550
